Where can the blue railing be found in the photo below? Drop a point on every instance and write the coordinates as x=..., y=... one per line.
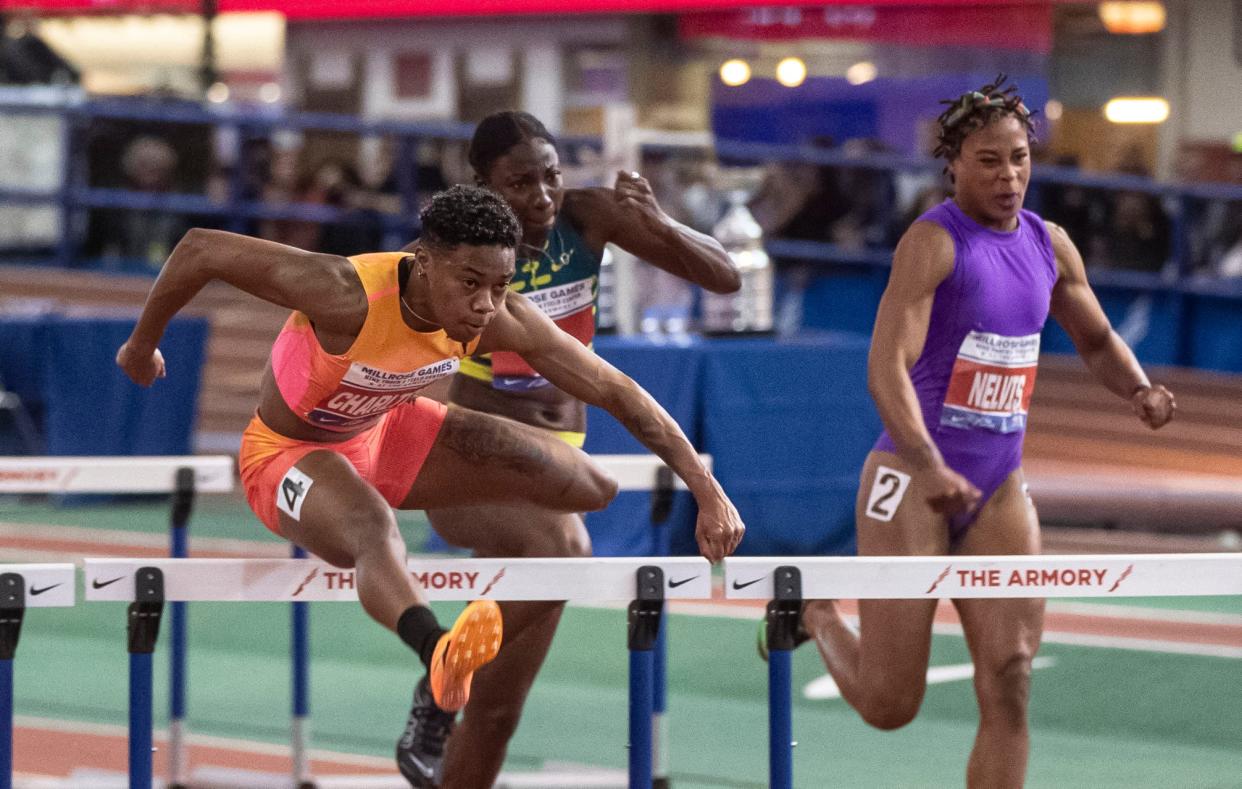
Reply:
x=855, y=276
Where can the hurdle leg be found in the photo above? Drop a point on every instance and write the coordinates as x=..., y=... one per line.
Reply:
x=143, y=620
x=659, y=704
x=300, y=724
x=12, y=611
x=782, y=629
x=644, y=627
x=178, y=763
x=662, y=493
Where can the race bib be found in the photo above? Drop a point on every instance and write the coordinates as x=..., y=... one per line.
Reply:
x=572, y=307
x=366, y=392
x=991, y=384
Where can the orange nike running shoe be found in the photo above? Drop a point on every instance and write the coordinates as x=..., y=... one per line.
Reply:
x=473, y=641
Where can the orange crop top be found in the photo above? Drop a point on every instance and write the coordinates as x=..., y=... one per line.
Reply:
x=386, y=366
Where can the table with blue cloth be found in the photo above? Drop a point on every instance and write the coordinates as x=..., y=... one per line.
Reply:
x=788, y=423
x=62, y=366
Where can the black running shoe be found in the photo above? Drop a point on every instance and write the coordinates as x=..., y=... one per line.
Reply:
x=420, y=751
x=761, y=642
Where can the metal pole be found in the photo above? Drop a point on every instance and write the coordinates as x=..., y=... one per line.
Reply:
x=659, y=728
x=300, y=727
x=644, y=626
x=182, y=505
x=144, y=627
x=662, y=500
x=783, y=614
x=640, y=718
x=12, y=611
x=780, y=719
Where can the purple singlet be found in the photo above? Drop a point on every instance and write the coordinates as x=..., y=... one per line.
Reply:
x=976, y=374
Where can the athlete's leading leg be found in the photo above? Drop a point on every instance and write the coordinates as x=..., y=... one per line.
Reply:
x=1003, y=636
x=882, y=669
x=479, y=458
x=477, y=748
x=346, y=522
x=503, y=489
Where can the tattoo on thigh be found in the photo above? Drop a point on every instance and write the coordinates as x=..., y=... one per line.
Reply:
x=291, y=493
x=887, y=491
x=483, y=439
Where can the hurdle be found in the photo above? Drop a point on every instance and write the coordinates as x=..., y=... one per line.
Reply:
x=24, y=586
x=182, y=476
x=786, y=581
x=645, y=582
x=634, y=474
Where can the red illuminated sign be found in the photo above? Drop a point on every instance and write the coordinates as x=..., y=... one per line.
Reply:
x=358, y=9
x=995, y=26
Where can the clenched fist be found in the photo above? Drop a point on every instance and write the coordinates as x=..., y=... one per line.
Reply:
x=142, y=366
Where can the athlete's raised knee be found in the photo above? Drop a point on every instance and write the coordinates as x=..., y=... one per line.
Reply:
x=893, y=709
x=593, y=488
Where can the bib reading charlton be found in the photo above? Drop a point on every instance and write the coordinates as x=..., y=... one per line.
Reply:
x=388, y=364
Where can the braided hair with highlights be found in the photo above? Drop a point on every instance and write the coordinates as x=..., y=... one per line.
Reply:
x=975, y=109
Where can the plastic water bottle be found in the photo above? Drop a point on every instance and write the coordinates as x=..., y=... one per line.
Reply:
x=749, y=310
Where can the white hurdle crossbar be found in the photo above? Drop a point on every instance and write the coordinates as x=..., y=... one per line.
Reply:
x=786, y=581
x=182, y=476
x=645, y=581
x=138, y=474
x=24, y=586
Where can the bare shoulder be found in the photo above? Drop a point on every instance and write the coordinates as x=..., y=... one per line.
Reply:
x=1061, y=242
x=1069, y=259
x=925, y=253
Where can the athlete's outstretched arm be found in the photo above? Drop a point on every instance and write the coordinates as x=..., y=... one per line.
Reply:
x=629, y=216
x=325, y=287
x=923, y=259
x=1110, y=360
x=521, y=327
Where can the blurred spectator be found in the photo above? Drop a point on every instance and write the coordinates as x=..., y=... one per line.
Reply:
x=798, y=200
x=1138, y=233
x=1226, y=249
x=149, y=164
x=927, y=198
x=283, y=188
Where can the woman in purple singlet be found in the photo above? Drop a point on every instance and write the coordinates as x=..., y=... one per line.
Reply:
x=952, y=368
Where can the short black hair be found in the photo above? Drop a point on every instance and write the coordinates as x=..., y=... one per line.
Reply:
x=469, y=215
x=499, y=132
x=975, y=109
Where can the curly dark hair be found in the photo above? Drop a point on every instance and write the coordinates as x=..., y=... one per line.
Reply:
x=499, y=132
x=975, y=109
x=469, y=215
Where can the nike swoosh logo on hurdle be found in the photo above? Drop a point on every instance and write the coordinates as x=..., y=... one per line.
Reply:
x=35, y=591
x=101, y=584
x=740, y=585
x=682, y=582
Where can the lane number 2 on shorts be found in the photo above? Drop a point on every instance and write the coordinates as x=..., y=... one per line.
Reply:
x=887, y=491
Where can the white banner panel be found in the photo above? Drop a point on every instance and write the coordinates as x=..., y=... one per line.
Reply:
x=638, y=472
x=138, y=474
x=248, y=580
x=1109, y=575
x=47, y=585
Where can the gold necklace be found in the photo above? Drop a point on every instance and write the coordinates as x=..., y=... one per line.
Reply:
x=406, y=304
